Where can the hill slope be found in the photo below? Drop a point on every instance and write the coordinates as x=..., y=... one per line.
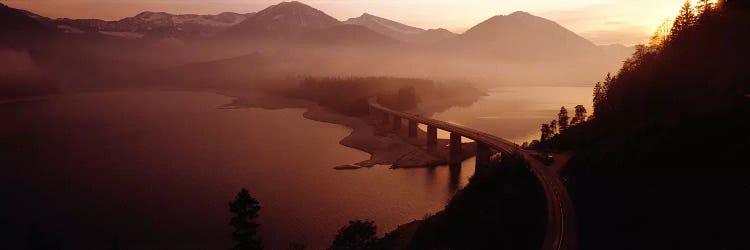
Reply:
x=351, y=35
x=523, y=36
x=663, y=165
x=386, y=27
x=283, y=20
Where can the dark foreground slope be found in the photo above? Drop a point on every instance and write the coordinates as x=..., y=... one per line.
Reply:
x=503, y=207
x=664, y=163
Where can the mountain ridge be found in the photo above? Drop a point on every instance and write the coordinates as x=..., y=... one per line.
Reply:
x=282, y=20
x=523, y=35
x=400, y=31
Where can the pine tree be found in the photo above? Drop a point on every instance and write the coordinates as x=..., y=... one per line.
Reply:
x=358, y=235
x=704, y=6
x=662, y=34
x=553, y=127
x=580, y=115
x=684, y=20
x=562, y=119
x=597, y=96
x=245, y=209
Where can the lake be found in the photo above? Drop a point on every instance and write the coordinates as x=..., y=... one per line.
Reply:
x=156, y=170
x=516, y=113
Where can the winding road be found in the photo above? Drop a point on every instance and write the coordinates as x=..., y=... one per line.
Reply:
x=561, y=232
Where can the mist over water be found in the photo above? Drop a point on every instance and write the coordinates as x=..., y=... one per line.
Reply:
x=517, y=112
x=156, y=170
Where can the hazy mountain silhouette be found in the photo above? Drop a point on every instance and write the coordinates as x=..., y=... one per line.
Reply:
x=237, y=72
x=528, y=48
x=149, y=24
x=524, y=36
x=346, y=34
x=17, y=28
x=617, y=50
x=286, y=19
x=386, y=27
x=434, y=35
x=400, y=31
x=15, y=20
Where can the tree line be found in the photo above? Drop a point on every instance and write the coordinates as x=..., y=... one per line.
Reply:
x=559, y=125
x=660, y=164
x=357, y=235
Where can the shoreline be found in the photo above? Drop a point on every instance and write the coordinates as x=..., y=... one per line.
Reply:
x=386, y=147
x=390, y=148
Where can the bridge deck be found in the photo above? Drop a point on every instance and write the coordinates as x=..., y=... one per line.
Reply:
x=560, y=234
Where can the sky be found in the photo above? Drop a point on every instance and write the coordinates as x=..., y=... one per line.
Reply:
x=627, y=22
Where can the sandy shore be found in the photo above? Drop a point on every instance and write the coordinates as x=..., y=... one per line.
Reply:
x=386, y=147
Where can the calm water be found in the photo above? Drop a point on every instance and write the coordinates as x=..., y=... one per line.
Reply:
x=156, y=171
x=516, y=113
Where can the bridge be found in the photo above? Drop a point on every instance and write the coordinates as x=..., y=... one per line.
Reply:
x=561, y=228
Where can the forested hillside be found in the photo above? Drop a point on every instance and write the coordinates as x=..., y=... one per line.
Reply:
x=663, y=163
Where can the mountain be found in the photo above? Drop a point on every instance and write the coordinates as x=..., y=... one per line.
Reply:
x=347, y=34
x=434, y=35
x=523, y=36
x=400, y=31
x=283, y=20
x=618, y=50
x=150, y=24
x=18, y=30
x=386, y=27
x=234, y=72
x=16, y=21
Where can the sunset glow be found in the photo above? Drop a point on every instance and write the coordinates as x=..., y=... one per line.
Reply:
x=627, y=22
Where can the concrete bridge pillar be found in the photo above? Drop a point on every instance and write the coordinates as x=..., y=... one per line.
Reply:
x=483, y=155
x=455, y=146
x=431, y=136
x=384, y=119
x=412, y=129
x=396, y=123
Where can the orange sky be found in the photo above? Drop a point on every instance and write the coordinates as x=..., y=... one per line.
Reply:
x=601, y=21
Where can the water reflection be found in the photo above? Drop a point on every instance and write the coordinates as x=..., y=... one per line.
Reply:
x=455, y=172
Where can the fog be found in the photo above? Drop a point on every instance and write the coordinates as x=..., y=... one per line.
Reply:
x=17, y=63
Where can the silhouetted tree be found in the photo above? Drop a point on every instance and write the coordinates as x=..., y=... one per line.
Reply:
x=358, y=235
x=696, y=76
x=601, y=91
x=553, y=127
x=683, y=21
x=597, y=96
x=662, y=33
x=580, y=115
x=545, y=132
x=534, y=143
x=245, y=209
x=563, y=119
x=704, y=6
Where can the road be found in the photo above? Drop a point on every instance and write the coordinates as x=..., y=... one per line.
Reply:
x=561, y=231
